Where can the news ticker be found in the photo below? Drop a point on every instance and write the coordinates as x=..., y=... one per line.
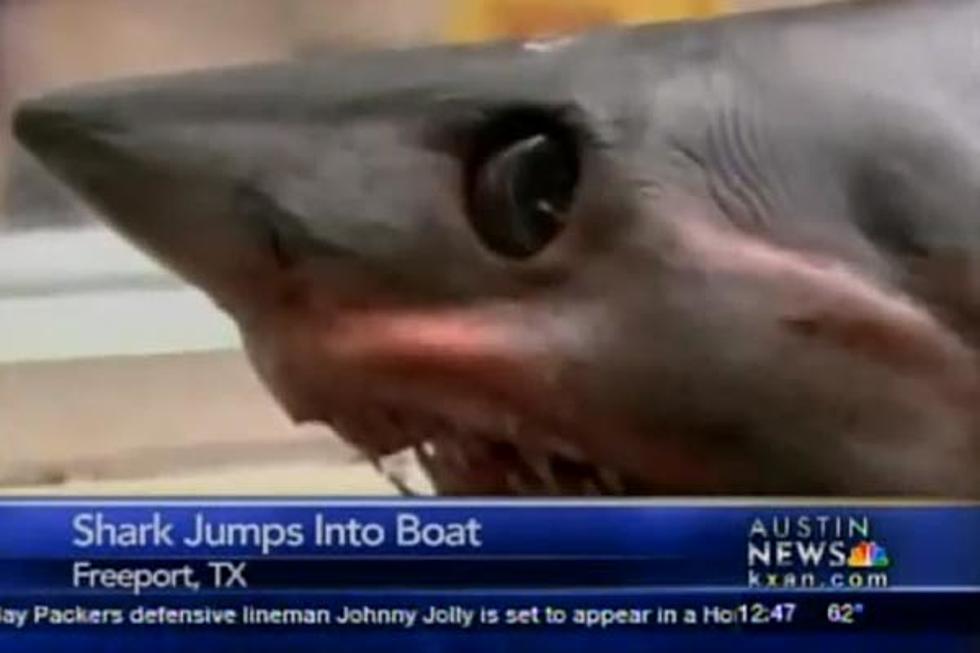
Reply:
x=441, y=566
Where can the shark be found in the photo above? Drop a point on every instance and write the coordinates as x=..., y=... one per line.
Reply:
x=737, y=256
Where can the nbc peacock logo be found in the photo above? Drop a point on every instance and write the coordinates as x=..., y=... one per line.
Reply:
x=868, y=555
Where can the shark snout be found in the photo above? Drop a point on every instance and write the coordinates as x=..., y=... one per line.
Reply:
x=51, y=127
x=69, y=138
x=154, y=175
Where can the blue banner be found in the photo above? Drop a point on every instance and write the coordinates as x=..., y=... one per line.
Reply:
x=424, y=572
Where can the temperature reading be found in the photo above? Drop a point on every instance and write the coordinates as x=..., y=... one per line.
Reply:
x=844, y=613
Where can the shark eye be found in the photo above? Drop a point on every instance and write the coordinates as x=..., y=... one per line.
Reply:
x=521, y=192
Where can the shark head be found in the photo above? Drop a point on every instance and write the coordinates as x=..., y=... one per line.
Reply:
x=506, y=257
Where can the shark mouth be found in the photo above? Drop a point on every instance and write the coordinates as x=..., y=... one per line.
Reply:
x=488, y=400
x=469, y=404
x=497, y=455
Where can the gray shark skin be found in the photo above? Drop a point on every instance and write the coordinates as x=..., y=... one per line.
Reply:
x=738, y=256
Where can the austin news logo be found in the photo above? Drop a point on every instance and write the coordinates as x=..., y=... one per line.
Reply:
x=808, y=551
